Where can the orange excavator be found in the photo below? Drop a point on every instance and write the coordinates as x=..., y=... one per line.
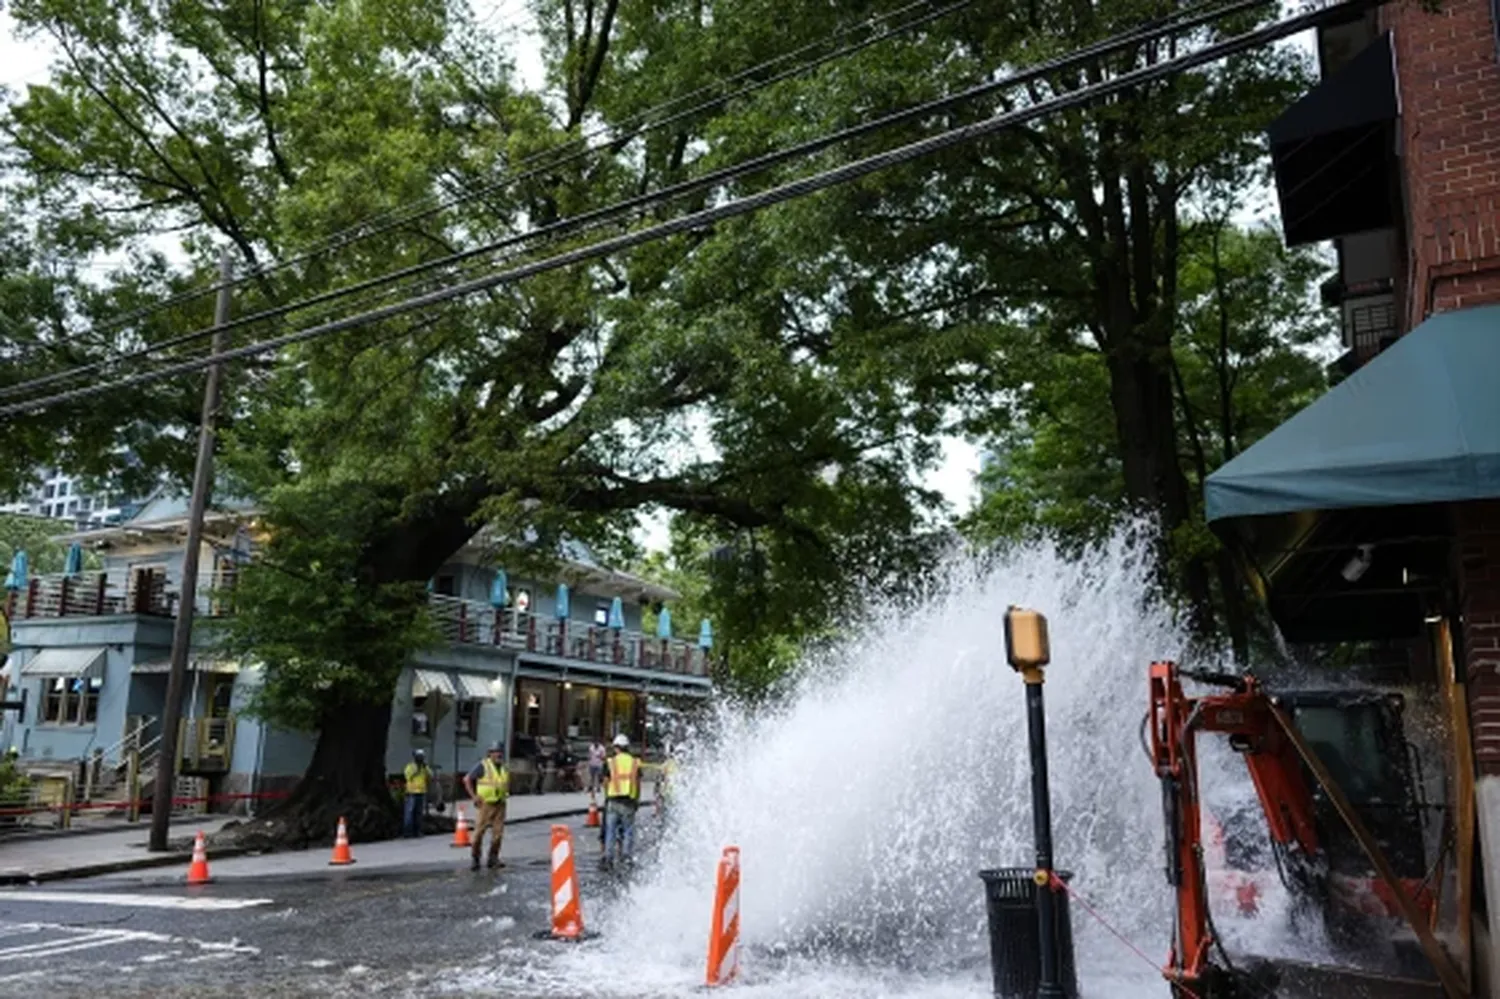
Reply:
x=1358, y=856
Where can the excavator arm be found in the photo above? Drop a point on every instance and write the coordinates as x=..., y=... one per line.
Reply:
x=1244, y=714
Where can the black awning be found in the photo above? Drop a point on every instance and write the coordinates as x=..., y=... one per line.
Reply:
x=1334, y=151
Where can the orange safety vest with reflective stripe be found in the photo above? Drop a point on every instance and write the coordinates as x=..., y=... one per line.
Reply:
x=494, y=784
x=624, y=777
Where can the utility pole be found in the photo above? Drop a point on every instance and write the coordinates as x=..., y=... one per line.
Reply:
x=182, y=631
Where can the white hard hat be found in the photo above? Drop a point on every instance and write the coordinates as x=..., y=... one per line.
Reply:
x=621, y=741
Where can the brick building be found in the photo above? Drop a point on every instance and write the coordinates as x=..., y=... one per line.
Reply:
x=1373, y=516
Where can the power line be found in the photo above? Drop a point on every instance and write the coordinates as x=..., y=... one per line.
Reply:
x=420, y=209
x=750, y=203
x=1183, y=21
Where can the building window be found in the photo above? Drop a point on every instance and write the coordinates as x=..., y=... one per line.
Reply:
x=522, y=601
x=54, y=692
x=64, y=487
x=419, y=722
x=49, y=492
x=445, y=585
x=467, y=719
x=601, y=614
x=72, y=507
x=71, y=700
x=88, y=693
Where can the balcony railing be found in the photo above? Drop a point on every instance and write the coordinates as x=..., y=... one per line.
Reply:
x=468, y=622
x=144, y=591
x=96, y=594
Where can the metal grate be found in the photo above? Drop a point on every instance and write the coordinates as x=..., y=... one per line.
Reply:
x=1371, y=328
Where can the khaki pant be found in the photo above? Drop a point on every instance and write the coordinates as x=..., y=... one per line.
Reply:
x=491, y=817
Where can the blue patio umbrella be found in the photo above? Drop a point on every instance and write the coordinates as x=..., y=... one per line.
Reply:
x=561, y=610
x=617, y=613
x=500, y=590
x=73, y=565
x=705, y=635
x=19, y=566
x=664, y=623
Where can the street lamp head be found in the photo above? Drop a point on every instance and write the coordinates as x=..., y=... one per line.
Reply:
x=1026, y=643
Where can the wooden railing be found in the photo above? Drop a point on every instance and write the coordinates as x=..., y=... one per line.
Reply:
x=470, y=622
x=97, y=594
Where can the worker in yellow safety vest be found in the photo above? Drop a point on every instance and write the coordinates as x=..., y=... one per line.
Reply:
x=414, y=807
x=488, y=785
x=666, y=779
x=622, y=793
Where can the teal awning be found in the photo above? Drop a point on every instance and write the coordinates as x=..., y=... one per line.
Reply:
x=1419, y=424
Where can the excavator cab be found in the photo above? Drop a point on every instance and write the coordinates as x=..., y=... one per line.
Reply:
x=1360, y=738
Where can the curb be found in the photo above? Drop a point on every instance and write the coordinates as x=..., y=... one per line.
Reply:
x=12, y=879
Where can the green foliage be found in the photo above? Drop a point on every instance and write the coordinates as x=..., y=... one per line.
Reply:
x=1244, y=360
x=778, y=382
x=14, y=784
x=36, y=536
x=325, y=634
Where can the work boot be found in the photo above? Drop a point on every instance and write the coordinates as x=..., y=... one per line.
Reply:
x=493, y=863
x=474, y=864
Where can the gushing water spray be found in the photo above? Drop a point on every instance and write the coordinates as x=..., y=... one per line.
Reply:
x=864, y=805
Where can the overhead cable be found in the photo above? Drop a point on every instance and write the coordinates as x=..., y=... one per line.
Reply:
x=843, y=174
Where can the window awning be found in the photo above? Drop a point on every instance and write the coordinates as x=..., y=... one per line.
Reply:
x=1419, y=424
x=87, y=661
x=473, y=687
x=194, y=665
x=430, y=681
x=1369, y=464
x=1334, y=151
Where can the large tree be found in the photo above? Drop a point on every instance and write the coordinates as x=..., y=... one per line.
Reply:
x=992, y=256
x=1245, y=357
x=560, y=406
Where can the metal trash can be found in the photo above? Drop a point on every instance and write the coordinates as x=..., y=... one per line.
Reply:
x=1015, y=945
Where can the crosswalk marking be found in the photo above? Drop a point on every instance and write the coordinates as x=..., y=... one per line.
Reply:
x=20, y=942
x=74, y=940
x=140, y=901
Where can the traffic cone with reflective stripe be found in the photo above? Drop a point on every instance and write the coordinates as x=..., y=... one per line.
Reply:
x=567, y=916
x=198, y=869
x=724, y=935
x=592, y=821
x=341, y=855
x=460, y=828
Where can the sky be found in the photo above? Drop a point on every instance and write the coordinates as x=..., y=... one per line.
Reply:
x=953, y=476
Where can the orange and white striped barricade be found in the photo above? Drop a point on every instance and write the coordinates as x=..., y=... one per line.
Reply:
x=567, y=914
x=724, y=934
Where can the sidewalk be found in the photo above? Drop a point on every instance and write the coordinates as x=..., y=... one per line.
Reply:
x=56, y=858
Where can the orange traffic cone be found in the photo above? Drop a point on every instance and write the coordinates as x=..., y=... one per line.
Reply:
x=198, y=869
x=724, y=935
x=341, y=854
x=592, y=821
x=567, y=915
x=460, y=828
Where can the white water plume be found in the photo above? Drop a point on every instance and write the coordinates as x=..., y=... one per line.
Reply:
x=898, y=768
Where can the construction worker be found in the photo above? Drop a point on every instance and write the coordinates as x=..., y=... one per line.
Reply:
x=418, y=774
x=622, y=793
x=488, y=785
x=666, y=779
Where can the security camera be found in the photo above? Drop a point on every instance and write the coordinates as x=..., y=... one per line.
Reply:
x=1359, y=564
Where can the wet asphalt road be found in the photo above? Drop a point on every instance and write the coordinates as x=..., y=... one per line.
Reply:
x=431, y=929
x=335, y=932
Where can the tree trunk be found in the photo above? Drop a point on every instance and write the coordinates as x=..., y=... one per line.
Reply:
x=346, y=779
x=1145, y=421
x=1234, y=606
